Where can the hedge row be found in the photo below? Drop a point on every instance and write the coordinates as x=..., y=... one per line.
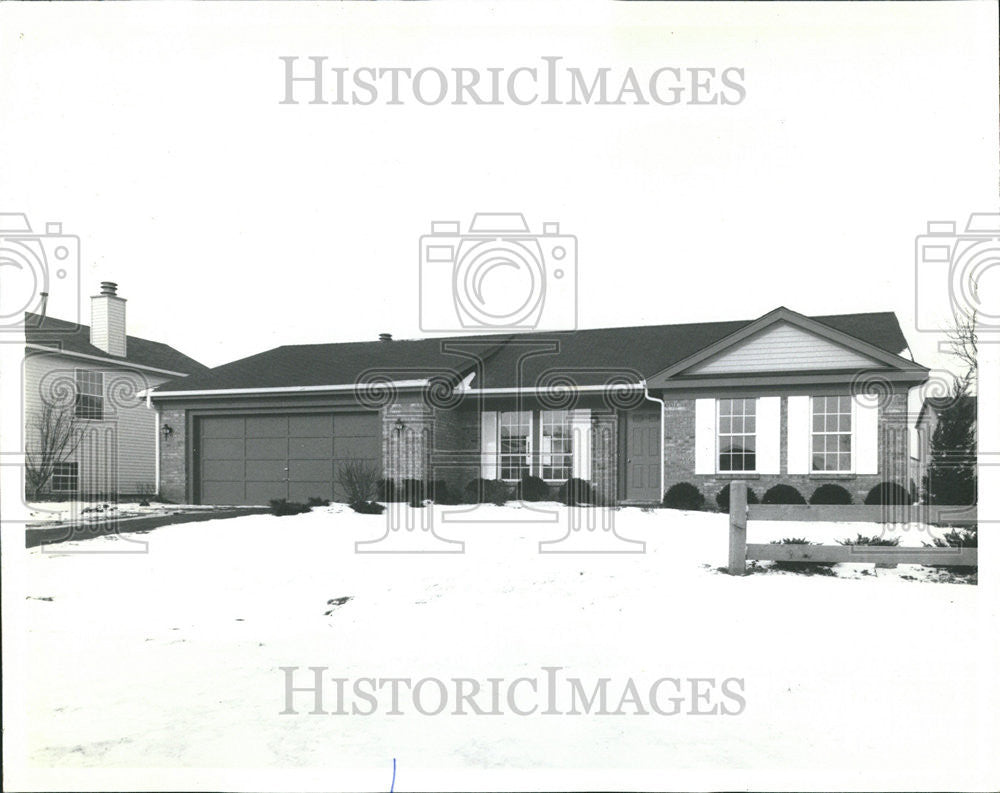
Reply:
x=685, y=495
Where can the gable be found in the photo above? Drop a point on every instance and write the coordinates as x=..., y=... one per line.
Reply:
x=785, y=347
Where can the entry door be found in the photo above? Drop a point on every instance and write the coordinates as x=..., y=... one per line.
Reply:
x=642, y=456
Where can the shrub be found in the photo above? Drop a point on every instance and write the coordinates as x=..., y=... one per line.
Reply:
x=367, y=507
x=281, y=506
x=412, y=491
x=956, y=538
x=359, y=480
x=830, y=494
x=722, y=498
x=487, y=491
x=684, y=495
x=387, y=491
x=443, y=494
x=783, y=494
x=808, y=568
x=888, y=494
x=576, y=491
x=532, y=488
x=863, y=540
x=316, y=501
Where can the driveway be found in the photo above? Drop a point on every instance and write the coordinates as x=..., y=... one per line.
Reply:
x=35, y=536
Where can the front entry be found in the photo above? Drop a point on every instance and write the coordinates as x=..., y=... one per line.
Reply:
x=641, y=430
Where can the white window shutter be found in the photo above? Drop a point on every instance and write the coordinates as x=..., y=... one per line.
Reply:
x=488, y=464
x=865, y=434
x=704, y=436
x=580, y=427
x=769, y=435
x=799, y=434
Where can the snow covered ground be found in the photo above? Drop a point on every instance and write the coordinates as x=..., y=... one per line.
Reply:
x=49, y=513
x=172, y=659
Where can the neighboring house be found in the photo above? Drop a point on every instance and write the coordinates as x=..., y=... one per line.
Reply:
x=633, y=410
x=94, y=375
x=927, y=421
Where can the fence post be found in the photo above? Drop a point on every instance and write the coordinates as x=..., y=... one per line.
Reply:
x=737, y=528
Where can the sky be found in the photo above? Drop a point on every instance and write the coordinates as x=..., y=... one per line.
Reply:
x=234, y=223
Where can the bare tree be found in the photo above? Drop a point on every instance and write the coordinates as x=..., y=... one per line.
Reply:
x=963, y=344
x=52, y=439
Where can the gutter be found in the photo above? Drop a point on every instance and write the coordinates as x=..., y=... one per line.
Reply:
x=298, y=389
x=122, y=362
x=663, y=409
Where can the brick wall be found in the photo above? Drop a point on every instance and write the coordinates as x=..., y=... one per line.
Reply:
x=406, y=448
x=173, y=457
x=679, y=447
x=604, y=454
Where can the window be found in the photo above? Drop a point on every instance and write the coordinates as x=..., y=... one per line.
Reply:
x=831, y=433
x=65, y=477
x=545, y=443
x=89, y=394
x=557, y=445
x=515, y=443
x=737, y=435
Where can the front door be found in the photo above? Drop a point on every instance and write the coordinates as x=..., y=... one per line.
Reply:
x=642, y=456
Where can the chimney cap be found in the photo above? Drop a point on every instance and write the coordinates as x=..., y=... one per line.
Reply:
x=109, y=288
x=385, y=337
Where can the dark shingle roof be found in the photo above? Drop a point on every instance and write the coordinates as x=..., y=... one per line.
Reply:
x=71, y=337
x=589, y=356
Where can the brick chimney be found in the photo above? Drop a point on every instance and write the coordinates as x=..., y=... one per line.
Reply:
x=107, y=320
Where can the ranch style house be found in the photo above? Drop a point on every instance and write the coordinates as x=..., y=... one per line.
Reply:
x=784, y=398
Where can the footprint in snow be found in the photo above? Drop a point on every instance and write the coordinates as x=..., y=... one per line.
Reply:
x=333, y=603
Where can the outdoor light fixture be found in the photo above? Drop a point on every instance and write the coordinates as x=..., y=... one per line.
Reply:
x=166, y=430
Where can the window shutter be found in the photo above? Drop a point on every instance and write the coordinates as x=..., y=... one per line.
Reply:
x=580, y=427
x=704, y=436
x=488, y=449
x=865, y=434
x=769, y=435
x=799, y=434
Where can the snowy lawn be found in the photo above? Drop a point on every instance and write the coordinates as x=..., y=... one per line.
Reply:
x=172, y=658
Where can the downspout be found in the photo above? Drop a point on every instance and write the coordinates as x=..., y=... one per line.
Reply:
x=156, y=455
x=663, y=408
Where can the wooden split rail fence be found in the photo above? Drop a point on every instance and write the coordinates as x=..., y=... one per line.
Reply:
x=740, y=551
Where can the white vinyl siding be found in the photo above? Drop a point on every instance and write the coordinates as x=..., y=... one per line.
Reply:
x=117, y=454
x=795, y=348
x=704, y=436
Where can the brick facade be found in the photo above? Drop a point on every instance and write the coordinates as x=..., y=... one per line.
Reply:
x=679, y=452
x=173, y=456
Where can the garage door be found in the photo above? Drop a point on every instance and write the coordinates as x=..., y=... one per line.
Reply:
x=253, y=459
